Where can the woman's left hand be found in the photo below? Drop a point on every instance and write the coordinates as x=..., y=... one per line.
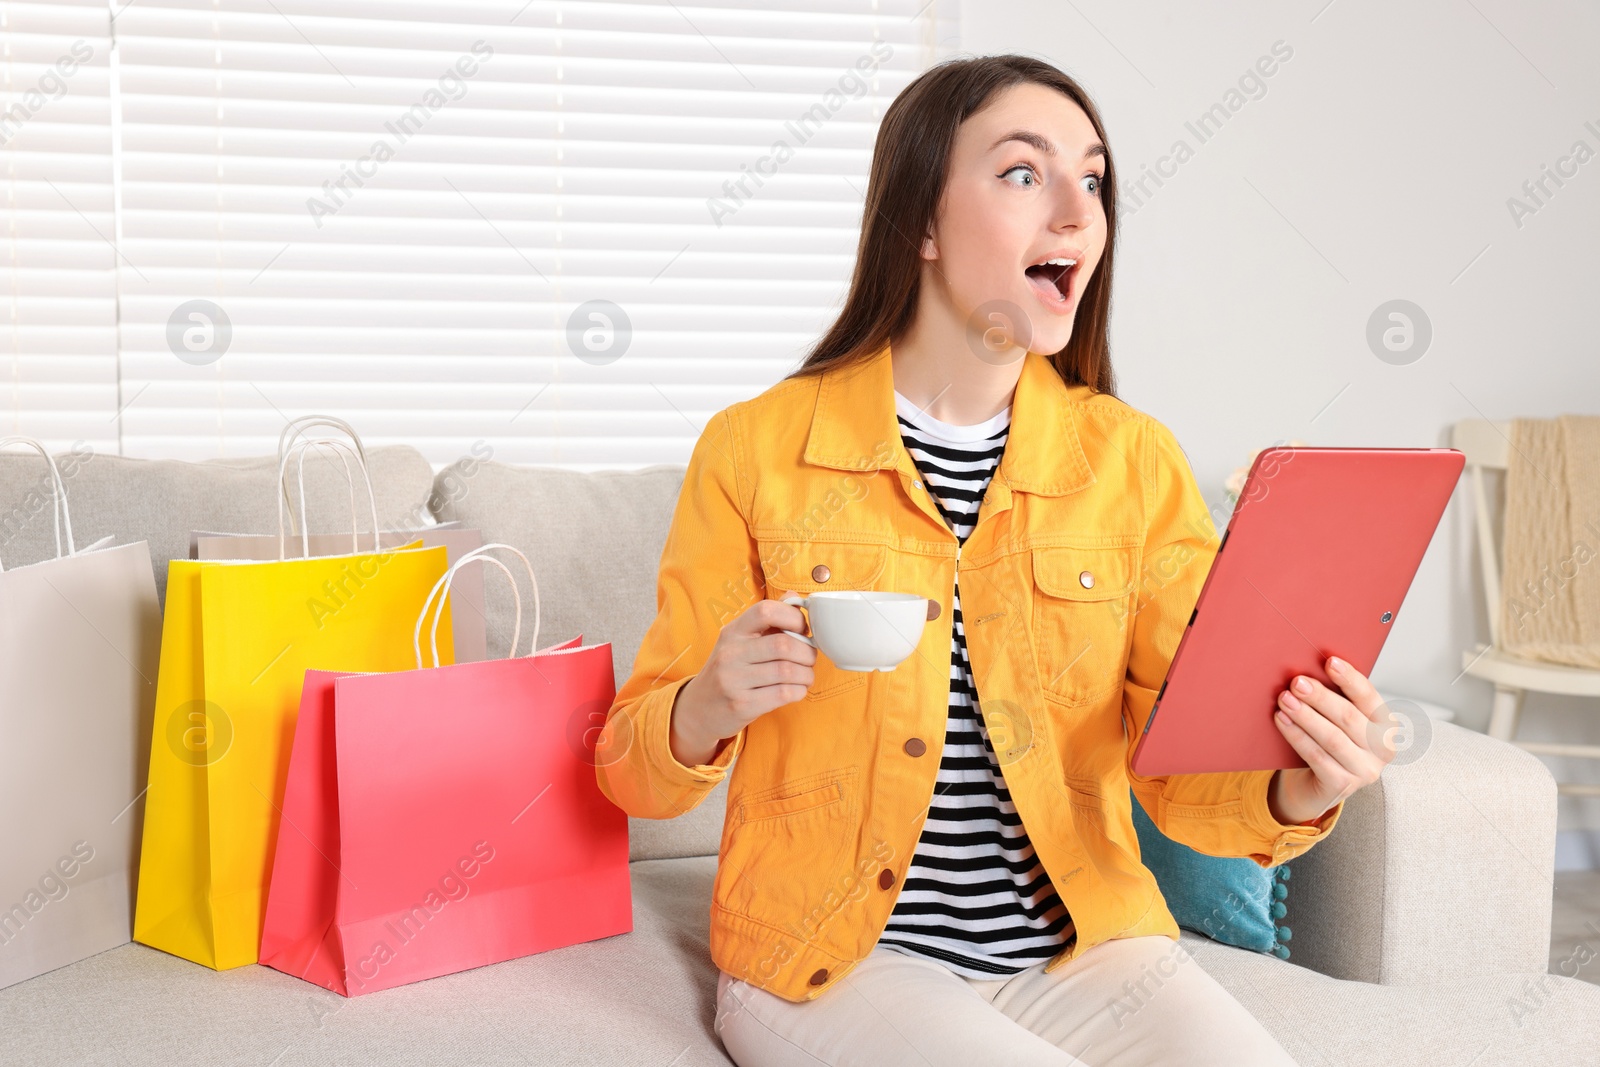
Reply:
x=1342, y=737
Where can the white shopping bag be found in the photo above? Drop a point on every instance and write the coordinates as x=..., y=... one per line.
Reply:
x=79, y=643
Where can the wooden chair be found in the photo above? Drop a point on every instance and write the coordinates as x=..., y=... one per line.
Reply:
x=1486, y=446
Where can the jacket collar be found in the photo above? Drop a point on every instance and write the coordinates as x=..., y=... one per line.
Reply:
x=855, y=427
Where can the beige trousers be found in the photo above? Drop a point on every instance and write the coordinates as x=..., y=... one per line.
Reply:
x=1127, y=1002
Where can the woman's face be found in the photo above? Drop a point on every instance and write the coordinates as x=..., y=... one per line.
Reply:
x=1023, y=188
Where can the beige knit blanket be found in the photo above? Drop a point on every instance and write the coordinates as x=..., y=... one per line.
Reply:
x=1550, y=600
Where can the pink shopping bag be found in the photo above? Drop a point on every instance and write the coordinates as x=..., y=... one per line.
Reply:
x=446, y=818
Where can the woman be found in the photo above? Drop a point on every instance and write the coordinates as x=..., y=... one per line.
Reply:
x=951, y=842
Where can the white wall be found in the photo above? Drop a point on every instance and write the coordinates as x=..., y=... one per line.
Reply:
x=1376, y=164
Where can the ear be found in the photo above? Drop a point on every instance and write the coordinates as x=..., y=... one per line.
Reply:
x=930, y=248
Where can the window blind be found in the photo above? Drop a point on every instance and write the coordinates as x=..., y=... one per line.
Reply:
x=58, y=370
x=569, y=231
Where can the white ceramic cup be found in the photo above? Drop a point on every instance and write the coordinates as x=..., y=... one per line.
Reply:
x=862, y=630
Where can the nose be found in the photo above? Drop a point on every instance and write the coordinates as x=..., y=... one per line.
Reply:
x=1075, y=207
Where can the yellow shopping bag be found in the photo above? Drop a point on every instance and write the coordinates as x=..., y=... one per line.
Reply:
x=236, y=642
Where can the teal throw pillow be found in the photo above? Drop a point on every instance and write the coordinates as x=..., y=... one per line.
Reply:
x=1228, y=899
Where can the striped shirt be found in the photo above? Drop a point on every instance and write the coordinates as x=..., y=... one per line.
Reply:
x=976, y=897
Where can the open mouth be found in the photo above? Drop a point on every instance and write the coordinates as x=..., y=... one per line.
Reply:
x=1052, y=279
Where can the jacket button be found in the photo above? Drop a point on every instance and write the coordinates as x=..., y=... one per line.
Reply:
x=886, y=879
x=1086, y=580
x=935, y=609
x=915, y=746
x=820, y=572
x=820, y=977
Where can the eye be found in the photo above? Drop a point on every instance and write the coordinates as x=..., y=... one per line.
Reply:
x=1097, y=179
x=1022, y=167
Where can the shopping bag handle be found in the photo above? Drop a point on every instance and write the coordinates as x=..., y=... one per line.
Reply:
x=297, y=428
x=441, y=589
x=441, y=583
x=58, y=503
x=346, y=453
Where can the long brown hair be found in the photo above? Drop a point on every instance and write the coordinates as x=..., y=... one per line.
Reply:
x=909, y=163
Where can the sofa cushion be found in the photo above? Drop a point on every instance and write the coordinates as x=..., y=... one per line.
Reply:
x=649, y=996
x=642, y=997
x=1505, y=1020
x=162, y=500
x=595, y=541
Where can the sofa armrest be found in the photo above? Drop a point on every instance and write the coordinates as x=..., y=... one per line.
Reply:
x=1441, y=869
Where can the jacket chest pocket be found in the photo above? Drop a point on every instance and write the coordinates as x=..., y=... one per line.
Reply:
x=1080, y=620
x=818, y=565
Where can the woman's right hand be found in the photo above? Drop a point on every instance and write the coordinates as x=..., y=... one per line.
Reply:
x=752, y=669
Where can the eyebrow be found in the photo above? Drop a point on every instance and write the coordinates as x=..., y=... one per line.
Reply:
x=1043, y=144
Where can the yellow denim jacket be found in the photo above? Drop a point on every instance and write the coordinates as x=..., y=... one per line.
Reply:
x=1088, y=555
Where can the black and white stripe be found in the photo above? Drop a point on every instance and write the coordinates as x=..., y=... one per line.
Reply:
x=975, y=898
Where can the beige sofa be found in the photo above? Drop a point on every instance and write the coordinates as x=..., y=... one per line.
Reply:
x=1421, y=926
